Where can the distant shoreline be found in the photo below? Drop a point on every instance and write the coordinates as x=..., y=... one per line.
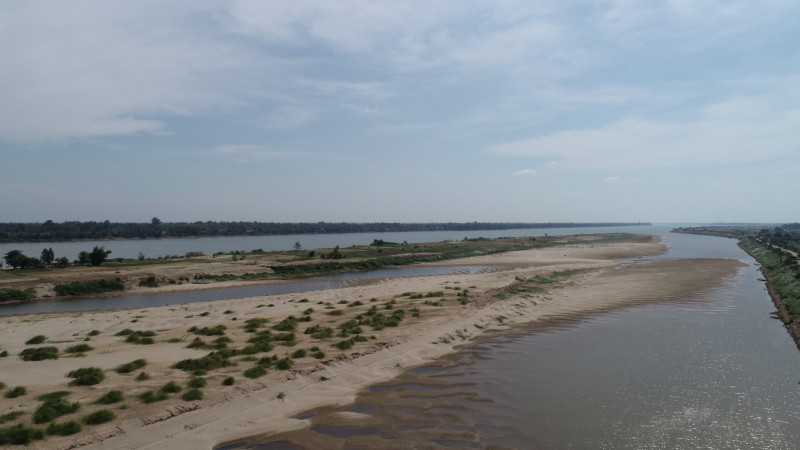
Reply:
x=21, y=233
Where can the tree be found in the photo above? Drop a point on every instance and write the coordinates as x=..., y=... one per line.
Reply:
x=335, y=254
x=48, y=256
x=155, y=221
x=15, y=258
x=83, y=258
x=297, y=246
x=98, y=255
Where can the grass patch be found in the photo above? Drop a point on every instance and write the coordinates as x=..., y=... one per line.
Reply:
x=53, y=409
x=98, y=417
x=197, y=383
x=86, y=376
x=39, y=353
x=80, y=348
x=20, y=434
x=110, y=397
x=10, y=417
x=89, y=287
x=18, y=391
x=16, y=294
x=192, y=395
x=256, y=371
x=36, y=340
x=64, y=429
x=131, y=366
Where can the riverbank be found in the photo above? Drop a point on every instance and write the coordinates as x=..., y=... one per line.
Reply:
x=440, y=312
x=785, y=314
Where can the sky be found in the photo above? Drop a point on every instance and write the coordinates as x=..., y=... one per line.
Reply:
x=400, y=111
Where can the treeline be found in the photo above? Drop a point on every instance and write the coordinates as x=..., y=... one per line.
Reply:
x=50, y=231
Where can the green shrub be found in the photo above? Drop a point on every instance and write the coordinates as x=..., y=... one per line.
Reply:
x=131, y=366
x=256, y=371
x=39, y=353
x=344, y=345
x=152, y=396
x=197, y=383
x=192, y=394
x=16, y=392
x=94, y=333
x=16, y=294
x=53, y=409
x=228, y=381
x=143, y=376
x=8, y=417
x=110, y=397
x=319, y=354
x=301, y=353
x=171, y=388
x=213, y=360
x=20, y=435
x=36, y=340
x=98, y=417
x=218, y=330
x=64, y=429
x=80, y=348
x=284, y=364
x=89, y=287
x=199, y=372
x=139, y=337
x=86, y=376
x=287, y=324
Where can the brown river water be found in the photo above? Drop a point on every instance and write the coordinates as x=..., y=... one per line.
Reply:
x=708, y=371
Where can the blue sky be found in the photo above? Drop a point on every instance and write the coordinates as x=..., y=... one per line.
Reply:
x=360, y=111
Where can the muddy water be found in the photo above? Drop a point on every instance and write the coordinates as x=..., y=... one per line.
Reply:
x=174, y=298
x=708, y=371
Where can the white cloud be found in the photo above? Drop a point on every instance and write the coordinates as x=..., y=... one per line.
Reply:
x=741, y=129
x=612, y=180
x=526, y=172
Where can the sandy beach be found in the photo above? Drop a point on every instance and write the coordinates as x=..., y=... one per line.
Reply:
x=518, y=287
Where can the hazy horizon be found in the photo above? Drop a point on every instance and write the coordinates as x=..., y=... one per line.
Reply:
x=354, y=111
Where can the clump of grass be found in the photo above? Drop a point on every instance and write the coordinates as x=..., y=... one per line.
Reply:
x=143, y=376
x=218, y=330
x=192, y=395
x=64, y=429
x=199, y=372
x=16, y=294
x=80, y=348
x=197, y=383
x=20, y=434
x=9, y=417
x=152, y=396
x=335, y=312
x=94, y=333
x=110, y=397
x=228, y=381
x=54, y=408
x=300, y=353
x=36, y=340
x=256, y=371
x=89, y=287
x=171, y=388
x=39, y=353
x=131, y=366
x=86, y=376
x=16, y=392
x=284, y=363
x=98, y=417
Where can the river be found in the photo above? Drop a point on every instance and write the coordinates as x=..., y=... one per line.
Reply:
x=713, y=371
x=153, y=248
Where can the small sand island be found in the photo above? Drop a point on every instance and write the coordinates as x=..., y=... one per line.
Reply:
x=197, y=375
